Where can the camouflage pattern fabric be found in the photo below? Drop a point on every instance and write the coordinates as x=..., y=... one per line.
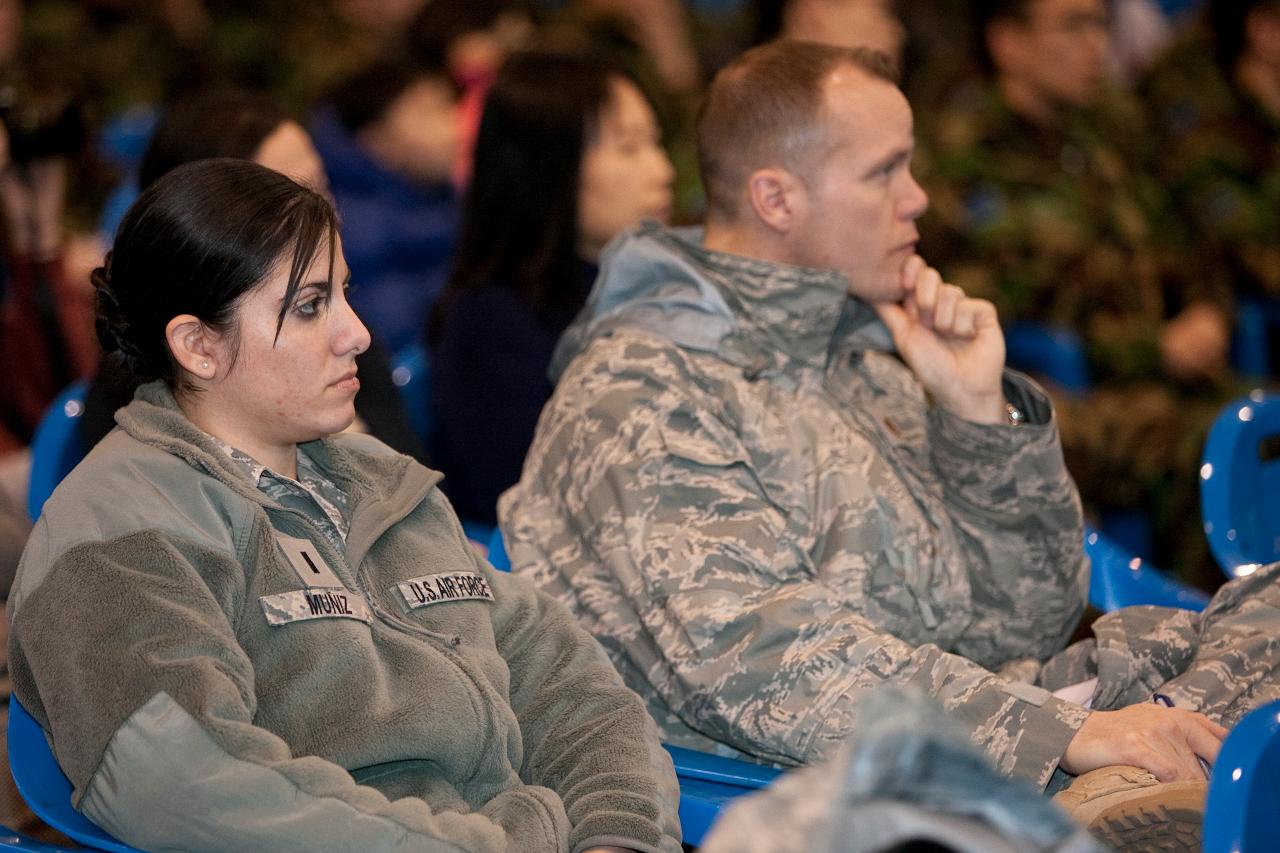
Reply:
x=1222, y=162
x=1223, y=662
x=765, y=520
x=747, y=498
x=313, y=494
x=1064, y=225
x=907, y=775
x=1071, y=227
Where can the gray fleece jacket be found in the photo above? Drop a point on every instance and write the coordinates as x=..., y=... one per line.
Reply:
x=215, y=675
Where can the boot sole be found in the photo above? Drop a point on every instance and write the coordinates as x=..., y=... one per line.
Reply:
x=1151, y=827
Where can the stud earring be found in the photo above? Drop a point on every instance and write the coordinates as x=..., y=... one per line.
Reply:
x=204, y=365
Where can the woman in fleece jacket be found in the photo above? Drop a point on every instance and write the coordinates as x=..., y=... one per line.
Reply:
x=242, y=631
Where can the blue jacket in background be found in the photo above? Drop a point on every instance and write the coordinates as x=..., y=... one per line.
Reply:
x=397, y=235
x=488, y=386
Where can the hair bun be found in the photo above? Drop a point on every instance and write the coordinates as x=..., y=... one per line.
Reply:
x=111, y=323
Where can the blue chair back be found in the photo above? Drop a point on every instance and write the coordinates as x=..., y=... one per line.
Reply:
x=1256, y=318
x=1240, y=484
x=1120, y=579
x=44, y=786
x=10, y=840
x=710, y=782
x=1242, y=813
x=411, y=373
x=1056, y=354
x=56, y=447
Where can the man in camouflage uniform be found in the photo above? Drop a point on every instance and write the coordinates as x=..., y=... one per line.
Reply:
x=1216, y=101
x=784, y=465
x=1046, y=203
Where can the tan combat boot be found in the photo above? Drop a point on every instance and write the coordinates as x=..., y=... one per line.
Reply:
x=1130, y=809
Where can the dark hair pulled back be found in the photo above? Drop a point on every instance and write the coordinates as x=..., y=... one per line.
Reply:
x=195, y=242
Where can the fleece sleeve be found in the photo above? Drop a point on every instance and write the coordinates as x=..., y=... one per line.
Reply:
x=586, y=736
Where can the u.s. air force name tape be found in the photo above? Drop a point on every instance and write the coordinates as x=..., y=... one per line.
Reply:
x=315, y=603
x=449, y=586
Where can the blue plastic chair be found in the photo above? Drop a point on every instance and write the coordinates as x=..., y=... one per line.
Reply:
x=1119, y=579
x=1242, y=813
x=44, y=786
x=498, y=556
x=710, y=782
x=707, y=782
x=56, y=447
x=11, y=840
x=1056, y=354
x=1240, y=484
x=411, y=373
x=1250, y=342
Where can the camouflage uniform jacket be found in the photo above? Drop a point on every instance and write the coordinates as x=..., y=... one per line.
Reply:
x=1222, y=162
x=1066, y=225
x=747, y=498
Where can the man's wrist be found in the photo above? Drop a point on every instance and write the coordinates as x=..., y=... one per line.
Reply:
x=988, y=409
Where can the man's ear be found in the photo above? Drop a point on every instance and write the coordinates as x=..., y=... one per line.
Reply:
x=195, y=347
x=777, y=197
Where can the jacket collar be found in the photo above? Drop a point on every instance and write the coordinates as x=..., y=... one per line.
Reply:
x=756, y=314
x=154, y=418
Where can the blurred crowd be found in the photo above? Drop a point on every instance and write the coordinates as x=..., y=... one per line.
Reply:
x=1109, y=170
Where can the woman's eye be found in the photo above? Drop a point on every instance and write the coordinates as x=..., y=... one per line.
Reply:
x=310, y=307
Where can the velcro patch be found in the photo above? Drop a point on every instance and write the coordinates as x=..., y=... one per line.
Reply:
x=450, y=586
x=315, y=603
x=307, y=562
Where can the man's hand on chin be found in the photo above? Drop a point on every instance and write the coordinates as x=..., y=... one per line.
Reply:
x=952, y=342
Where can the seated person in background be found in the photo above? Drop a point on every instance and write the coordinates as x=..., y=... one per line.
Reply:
x=244, y=632
x=784, y=464
x=389, y=138
x=247, y=127
x=1216, y=101
x=1046, y=203
x=470, y=39
x=559, y=170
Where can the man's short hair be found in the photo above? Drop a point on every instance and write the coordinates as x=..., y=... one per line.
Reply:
x=765, y=109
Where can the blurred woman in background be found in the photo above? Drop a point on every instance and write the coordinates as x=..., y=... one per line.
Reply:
x=568, y=156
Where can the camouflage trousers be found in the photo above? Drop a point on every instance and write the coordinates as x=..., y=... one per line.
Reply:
x=1223, y=662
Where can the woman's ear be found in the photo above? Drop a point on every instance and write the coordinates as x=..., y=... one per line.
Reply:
x=195, y=347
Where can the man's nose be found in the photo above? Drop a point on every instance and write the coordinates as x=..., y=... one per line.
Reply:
x=915, y=201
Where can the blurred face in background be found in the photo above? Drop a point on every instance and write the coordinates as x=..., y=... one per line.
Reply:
x=1262, y=35
x=10, y=29
x=418, y=135
x=625, y=176
x=846, y=23
x=288, y=150
x=385, y=18
x=1057, y=54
